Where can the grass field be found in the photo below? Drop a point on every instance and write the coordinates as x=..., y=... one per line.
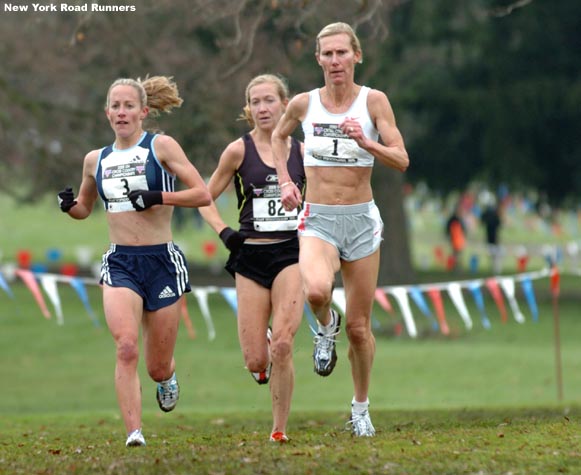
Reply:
x=478, y=402
x=474, y=402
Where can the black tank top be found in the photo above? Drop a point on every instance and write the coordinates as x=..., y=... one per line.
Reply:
x=258, y=193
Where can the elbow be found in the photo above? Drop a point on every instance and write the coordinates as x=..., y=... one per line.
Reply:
x=205, y=199
x=405, y=163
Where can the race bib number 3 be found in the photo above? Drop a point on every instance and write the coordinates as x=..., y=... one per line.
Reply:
x=121, y=174
x=270, y=215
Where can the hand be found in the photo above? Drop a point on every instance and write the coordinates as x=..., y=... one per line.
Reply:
x=233, y=240
x=66, y=199
x=143, y=199
x=290, y=196
x=352, y=128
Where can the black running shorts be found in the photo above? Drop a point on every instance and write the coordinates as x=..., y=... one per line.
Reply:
x=262, y=262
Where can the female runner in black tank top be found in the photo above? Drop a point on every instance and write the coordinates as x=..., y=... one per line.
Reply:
x=264, y=252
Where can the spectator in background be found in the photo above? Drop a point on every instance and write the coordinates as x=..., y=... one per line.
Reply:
x=490, y=219
x=456, y=233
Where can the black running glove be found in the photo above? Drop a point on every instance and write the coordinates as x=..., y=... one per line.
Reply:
x=233, y=240
x=143, y=199
x=66, y=199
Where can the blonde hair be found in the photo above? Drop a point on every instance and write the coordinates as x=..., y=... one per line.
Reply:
x=159, y=93
x=281, y=89
x=338, y=28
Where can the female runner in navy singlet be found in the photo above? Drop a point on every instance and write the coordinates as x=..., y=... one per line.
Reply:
x=143, y=272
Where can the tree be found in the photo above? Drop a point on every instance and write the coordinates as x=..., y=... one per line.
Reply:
x=56, y=68
x=493, y=93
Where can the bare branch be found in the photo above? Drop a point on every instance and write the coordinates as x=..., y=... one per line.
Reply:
x=235, y=41
x=76, y=36
x=367, y=16
x=251, y=34
x=504, y=11
x=304, y=13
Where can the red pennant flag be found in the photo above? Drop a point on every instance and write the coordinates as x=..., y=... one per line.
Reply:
x=496, y=293
x=521, y=263
x=382, y=300
x=439, y=307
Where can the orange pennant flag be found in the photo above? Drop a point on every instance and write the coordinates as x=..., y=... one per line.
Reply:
x=494, y=289
x=439, y=307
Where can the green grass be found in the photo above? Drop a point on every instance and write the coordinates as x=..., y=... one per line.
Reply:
x=428, y=442
x=511, y=364
x=483, y=401
x=475, y=402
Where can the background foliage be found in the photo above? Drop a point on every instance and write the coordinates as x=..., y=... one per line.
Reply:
x=483, y=90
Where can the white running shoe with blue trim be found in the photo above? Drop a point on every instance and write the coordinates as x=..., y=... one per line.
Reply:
x=168, y=393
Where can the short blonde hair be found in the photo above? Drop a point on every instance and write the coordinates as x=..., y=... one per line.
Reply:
x=335, y=29
x=159, y=93
x=281, y=89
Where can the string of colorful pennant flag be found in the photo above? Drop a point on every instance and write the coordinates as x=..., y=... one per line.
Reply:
x=500, y=288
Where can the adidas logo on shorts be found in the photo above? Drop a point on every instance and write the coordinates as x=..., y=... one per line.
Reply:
x=167, y=292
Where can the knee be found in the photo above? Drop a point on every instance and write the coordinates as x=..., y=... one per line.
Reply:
x=127, y=353
x=255, y=362
x=256, y=365
x=158, y=372
x=159, y=369
x=281, y=350
x=358, y=332
x=319, y=294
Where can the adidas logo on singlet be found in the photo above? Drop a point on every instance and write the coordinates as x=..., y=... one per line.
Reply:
x=166, y=293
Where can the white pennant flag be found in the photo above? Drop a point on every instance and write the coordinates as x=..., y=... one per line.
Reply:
x=401, y=296
x=48, y=283
x=507, y=285
x=202, y=297
x=455, y=292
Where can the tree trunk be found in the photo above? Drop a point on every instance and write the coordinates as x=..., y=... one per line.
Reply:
x=396, y=264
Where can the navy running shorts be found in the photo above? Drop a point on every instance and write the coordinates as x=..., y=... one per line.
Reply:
x=158, y=273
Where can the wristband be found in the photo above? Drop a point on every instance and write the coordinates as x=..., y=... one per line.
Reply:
x=285, y=183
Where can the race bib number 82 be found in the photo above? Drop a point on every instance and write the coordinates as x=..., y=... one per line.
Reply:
x=270, y=215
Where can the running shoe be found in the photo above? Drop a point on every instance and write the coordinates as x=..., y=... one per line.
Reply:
x=168, y=393
x=324, y=354
x=279, y=437
x=263, y=377
x=361, y=425
x=135, y=439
